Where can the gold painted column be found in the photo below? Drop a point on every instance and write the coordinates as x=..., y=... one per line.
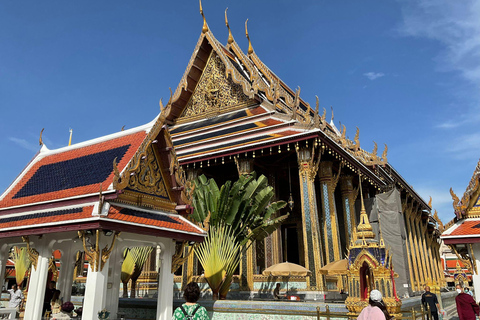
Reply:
x=310, y=224
x=349, y=195
x=423, y=235
x=421, y=254
x=409, y=256
x=433, y=259
x=413, y=249
x=328, y=183
x=273, y=243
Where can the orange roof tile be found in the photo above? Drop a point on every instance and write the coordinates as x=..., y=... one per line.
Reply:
x=43, y=180
x=136, y=216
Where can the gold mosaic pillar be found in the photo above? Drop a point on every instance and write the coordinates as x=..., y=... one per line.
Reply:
x=310, y=225
x=427, y=259
x=349, y=195
x=413, y=249
x=420, y=253
x=409, y=256
x=328, y=183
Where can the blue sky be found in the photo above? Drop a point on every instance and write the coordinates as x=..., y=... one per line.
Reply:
x=407, y=73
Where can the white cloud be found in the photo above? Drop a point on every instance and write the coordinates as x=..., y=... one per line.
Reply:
x=373, y=75
x=24, y=144
x=455, y=24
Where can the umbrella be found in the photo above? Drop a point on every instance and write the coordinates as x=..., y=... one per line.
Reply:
x=286, y=269
x=339, y=267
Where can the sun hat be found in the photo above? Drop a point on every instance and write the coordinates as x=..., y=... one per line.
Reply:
x=376, y=295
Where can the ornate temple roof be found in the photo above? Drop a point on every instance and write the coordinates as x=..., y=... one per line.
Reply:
x=465, y=228
x=228, y=102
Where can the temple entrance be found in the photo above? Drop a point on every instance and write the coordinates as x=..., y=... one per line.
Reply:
x=366, y=281
x=290, y=244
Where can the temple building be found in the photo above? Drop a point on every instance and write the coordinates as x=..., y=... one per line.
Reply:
x=462, y=234
x=231, y=115
x=95, y=199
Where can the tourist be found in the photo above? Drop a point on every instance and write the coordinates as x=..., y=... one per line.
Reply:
x=276, y=293
x=16, y=297
x=56, y=303
x=467, y=291
x=376, y=309
x=191, y=310
x=430, y=300
x=48, y=296
x=65, y=312
x=467, y=308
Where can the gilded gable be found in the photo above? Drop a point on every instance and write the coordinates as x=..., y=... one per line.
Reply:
x=215, y=93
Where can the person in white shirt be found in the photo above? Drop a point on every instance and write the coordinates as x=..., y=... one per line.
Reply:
x=16, y=297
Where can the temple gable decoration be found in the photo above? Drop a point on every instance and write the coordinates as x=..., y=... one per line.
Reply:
x=215, y=93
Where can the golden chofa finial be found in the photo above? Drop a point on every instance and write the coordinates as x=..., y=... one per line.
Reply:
x=230, y=37
x=40, y=140
x=205, y=26
x=250, y=48
x=364, y=228
x=430, y=202
x=70, y=139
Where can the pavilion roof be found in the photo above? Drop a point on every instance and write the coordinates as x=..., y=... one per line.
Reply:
x=73, y=171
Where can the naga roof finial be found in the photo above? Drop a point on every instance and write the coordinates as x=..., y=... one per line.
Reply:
x=250, y=48
x=430, y=202
x=331, y=107
x=40, y=140
x=205, y=25
x=230, y=37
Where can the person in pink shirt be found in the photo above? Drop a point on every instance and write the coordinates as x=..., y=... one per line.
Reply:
x=376, y=309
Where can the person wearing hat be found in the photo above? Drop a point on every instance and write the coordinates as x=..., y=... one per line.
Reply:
x=376, y=309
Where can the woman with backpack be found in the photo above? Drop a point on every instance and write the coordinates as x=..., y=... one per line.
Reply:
x=191, y=310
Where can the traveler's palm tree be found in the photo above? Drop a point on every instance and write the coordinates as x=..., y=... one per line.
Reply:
x=237, y=215
x=22, y=263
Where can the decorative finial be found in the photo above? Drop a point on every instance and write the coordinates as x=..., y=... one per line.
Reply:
x=230, y=37
x=123, y=128
x=161, y=104
x=430, y=202
x=364, y=228
x=40, y=140
x=205, y=26
x=70, y=139
x=250, y=48
x=332, y=114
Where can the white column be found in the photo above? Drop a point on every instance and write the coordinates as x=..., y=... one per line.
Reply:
x=165, y=281
x=3, y=263
x=114, y=280
x=38, y=282
x=96, y=288
x=476, y=277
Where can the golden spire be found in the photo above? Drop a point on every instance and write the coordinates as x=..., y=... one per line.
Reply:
x=364, y=228
x=205, y=26
x=250, y=48
x=40, y=140
x=230, y=37
x=70, y=139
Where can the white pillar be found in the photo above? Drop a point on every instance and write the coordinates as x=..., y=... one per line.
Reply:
x=165, y=281
x=96, y=288
x=38, y=282
x=3, y=263
x=476, y=277
x=67, y=266
x=114, y=280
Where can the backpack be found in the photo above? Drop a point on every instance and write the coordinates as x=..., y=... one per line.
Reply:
x=189, y=316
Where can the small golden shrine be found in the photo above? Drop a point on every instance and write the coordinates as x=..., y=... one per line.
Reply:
x=369, y=267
